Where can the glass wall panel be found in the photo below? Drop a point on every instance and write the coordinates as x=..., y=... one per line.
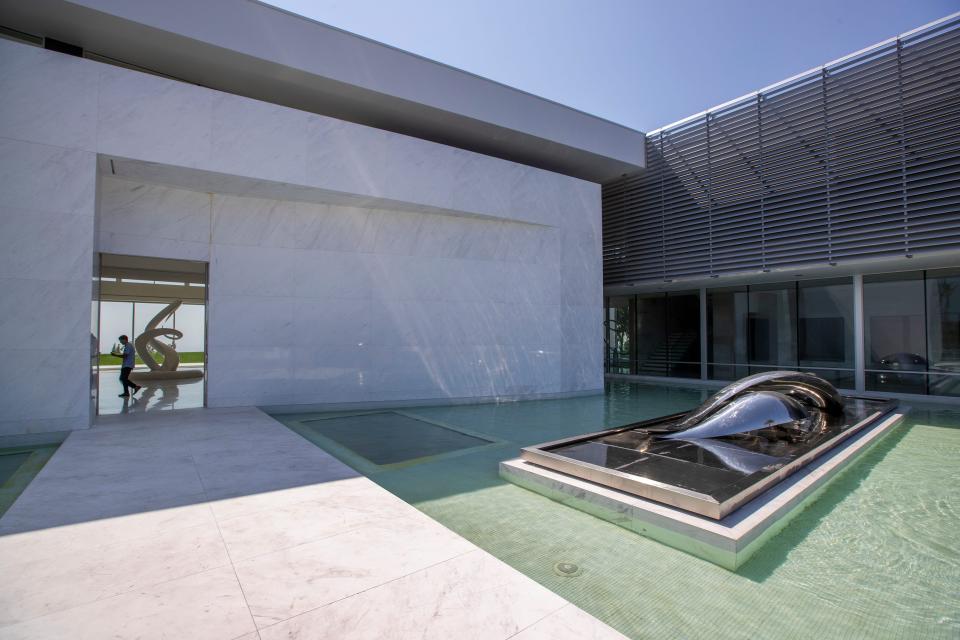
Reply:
x=683, y=334
x=651, y=337
x=772, y=327
x=618, y=334
x=727, y=333
x=943, y=331
x=825, y=330
x=894, y=333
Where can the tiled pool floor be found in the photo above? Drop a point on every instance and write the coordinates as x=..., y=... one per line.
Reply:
x=877, y=556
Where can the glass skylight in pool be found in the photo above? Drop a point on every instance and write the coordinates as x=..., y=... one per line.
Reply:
x=391, y=438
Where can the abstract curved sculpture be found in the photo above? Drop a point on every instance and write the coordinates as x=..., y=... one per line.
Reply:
x=740, y=442
x=146, y=343
x=798, y=403
x=750, y=411
x=807, y=388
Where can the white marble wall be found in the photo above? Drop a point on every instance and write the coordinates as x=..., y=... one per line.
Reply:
x=46, y=243
x=309, y=302
x=327, y=303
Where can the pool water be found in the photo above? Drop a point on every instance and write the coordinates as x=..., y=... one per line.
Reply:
x=389, y=438
x=21, y=458
x=876, y=556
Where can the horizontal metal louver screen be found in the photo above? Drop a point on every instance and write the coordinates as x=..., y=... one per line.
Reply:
x=858, y=159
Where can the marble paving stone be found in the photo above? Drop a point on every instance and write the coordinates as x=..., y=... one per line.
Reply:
x=569, y=623
x=78, y=537
x=207, y=605
x=261, y=533
x=359, y=492
x=98, y=560
x=443, y=601
x=38, y=585
x=292, y=581
x=225, y=478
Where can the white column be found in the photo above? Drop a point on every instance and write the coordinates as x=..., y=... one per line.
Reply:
x=858, y=347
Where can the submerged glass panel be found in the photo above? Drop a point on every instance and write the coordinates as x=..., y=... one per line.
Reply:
x=9, y=463
x=374, y=436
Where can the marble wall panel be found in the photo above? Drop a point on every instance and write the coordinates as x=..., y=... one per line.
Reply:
x=335, y=228
x=252, y=321
x=418, y=173
x=582, y=324
x=258, y=139
x=40, y=177
x=582, y=269
x=327, y=275
x=480, y=182
x=37, y=314
x=241, y=375
x=331, y=374
x=145, y=117
x=154, y=211
x=347, y=157
x=34, y=83
x=253, y=272
x=333, y=322
x=139, y=245
x=44, y=246
x=44, y=389
x=581, y=367
x=47, y=201
x=265, y=223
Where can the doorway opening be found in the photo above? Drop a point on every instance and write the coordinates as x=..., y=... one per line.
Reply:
x=160, y=304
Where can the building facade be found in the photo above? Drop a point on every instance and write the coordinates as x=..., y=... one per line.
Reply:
x=813, y=225
x=375, y=227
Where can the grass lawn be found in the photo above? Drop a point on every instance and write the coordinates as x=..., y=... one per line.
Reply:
x=186, y=357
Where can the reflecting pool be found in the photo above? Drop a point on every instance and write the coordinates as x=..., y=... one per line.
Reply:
x=876, y=556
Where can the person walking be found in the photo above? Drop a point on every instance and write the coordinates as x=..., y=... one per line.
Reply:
x=127, y=367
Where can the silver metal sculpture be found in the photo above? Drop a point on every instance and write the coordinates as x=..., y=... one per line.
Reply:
x=741, y=441
x=796, y=402
x=147, y=344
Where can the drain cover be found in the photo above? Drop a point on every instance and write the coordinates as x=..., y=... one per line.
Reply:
x=567, y=570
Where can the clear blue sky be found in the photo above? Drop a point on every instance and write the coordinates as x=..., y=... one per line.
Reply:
x=641, y=63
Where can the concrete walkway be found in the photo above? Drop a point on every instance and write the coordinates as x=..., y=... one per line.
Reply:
x=224, y=524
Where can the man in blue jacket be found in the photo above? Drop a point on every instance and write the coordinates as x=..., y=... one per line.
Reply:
x=127, y=367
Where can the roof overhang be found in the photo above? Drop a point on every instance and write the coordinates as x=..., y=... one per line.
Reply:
x=256, y=50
